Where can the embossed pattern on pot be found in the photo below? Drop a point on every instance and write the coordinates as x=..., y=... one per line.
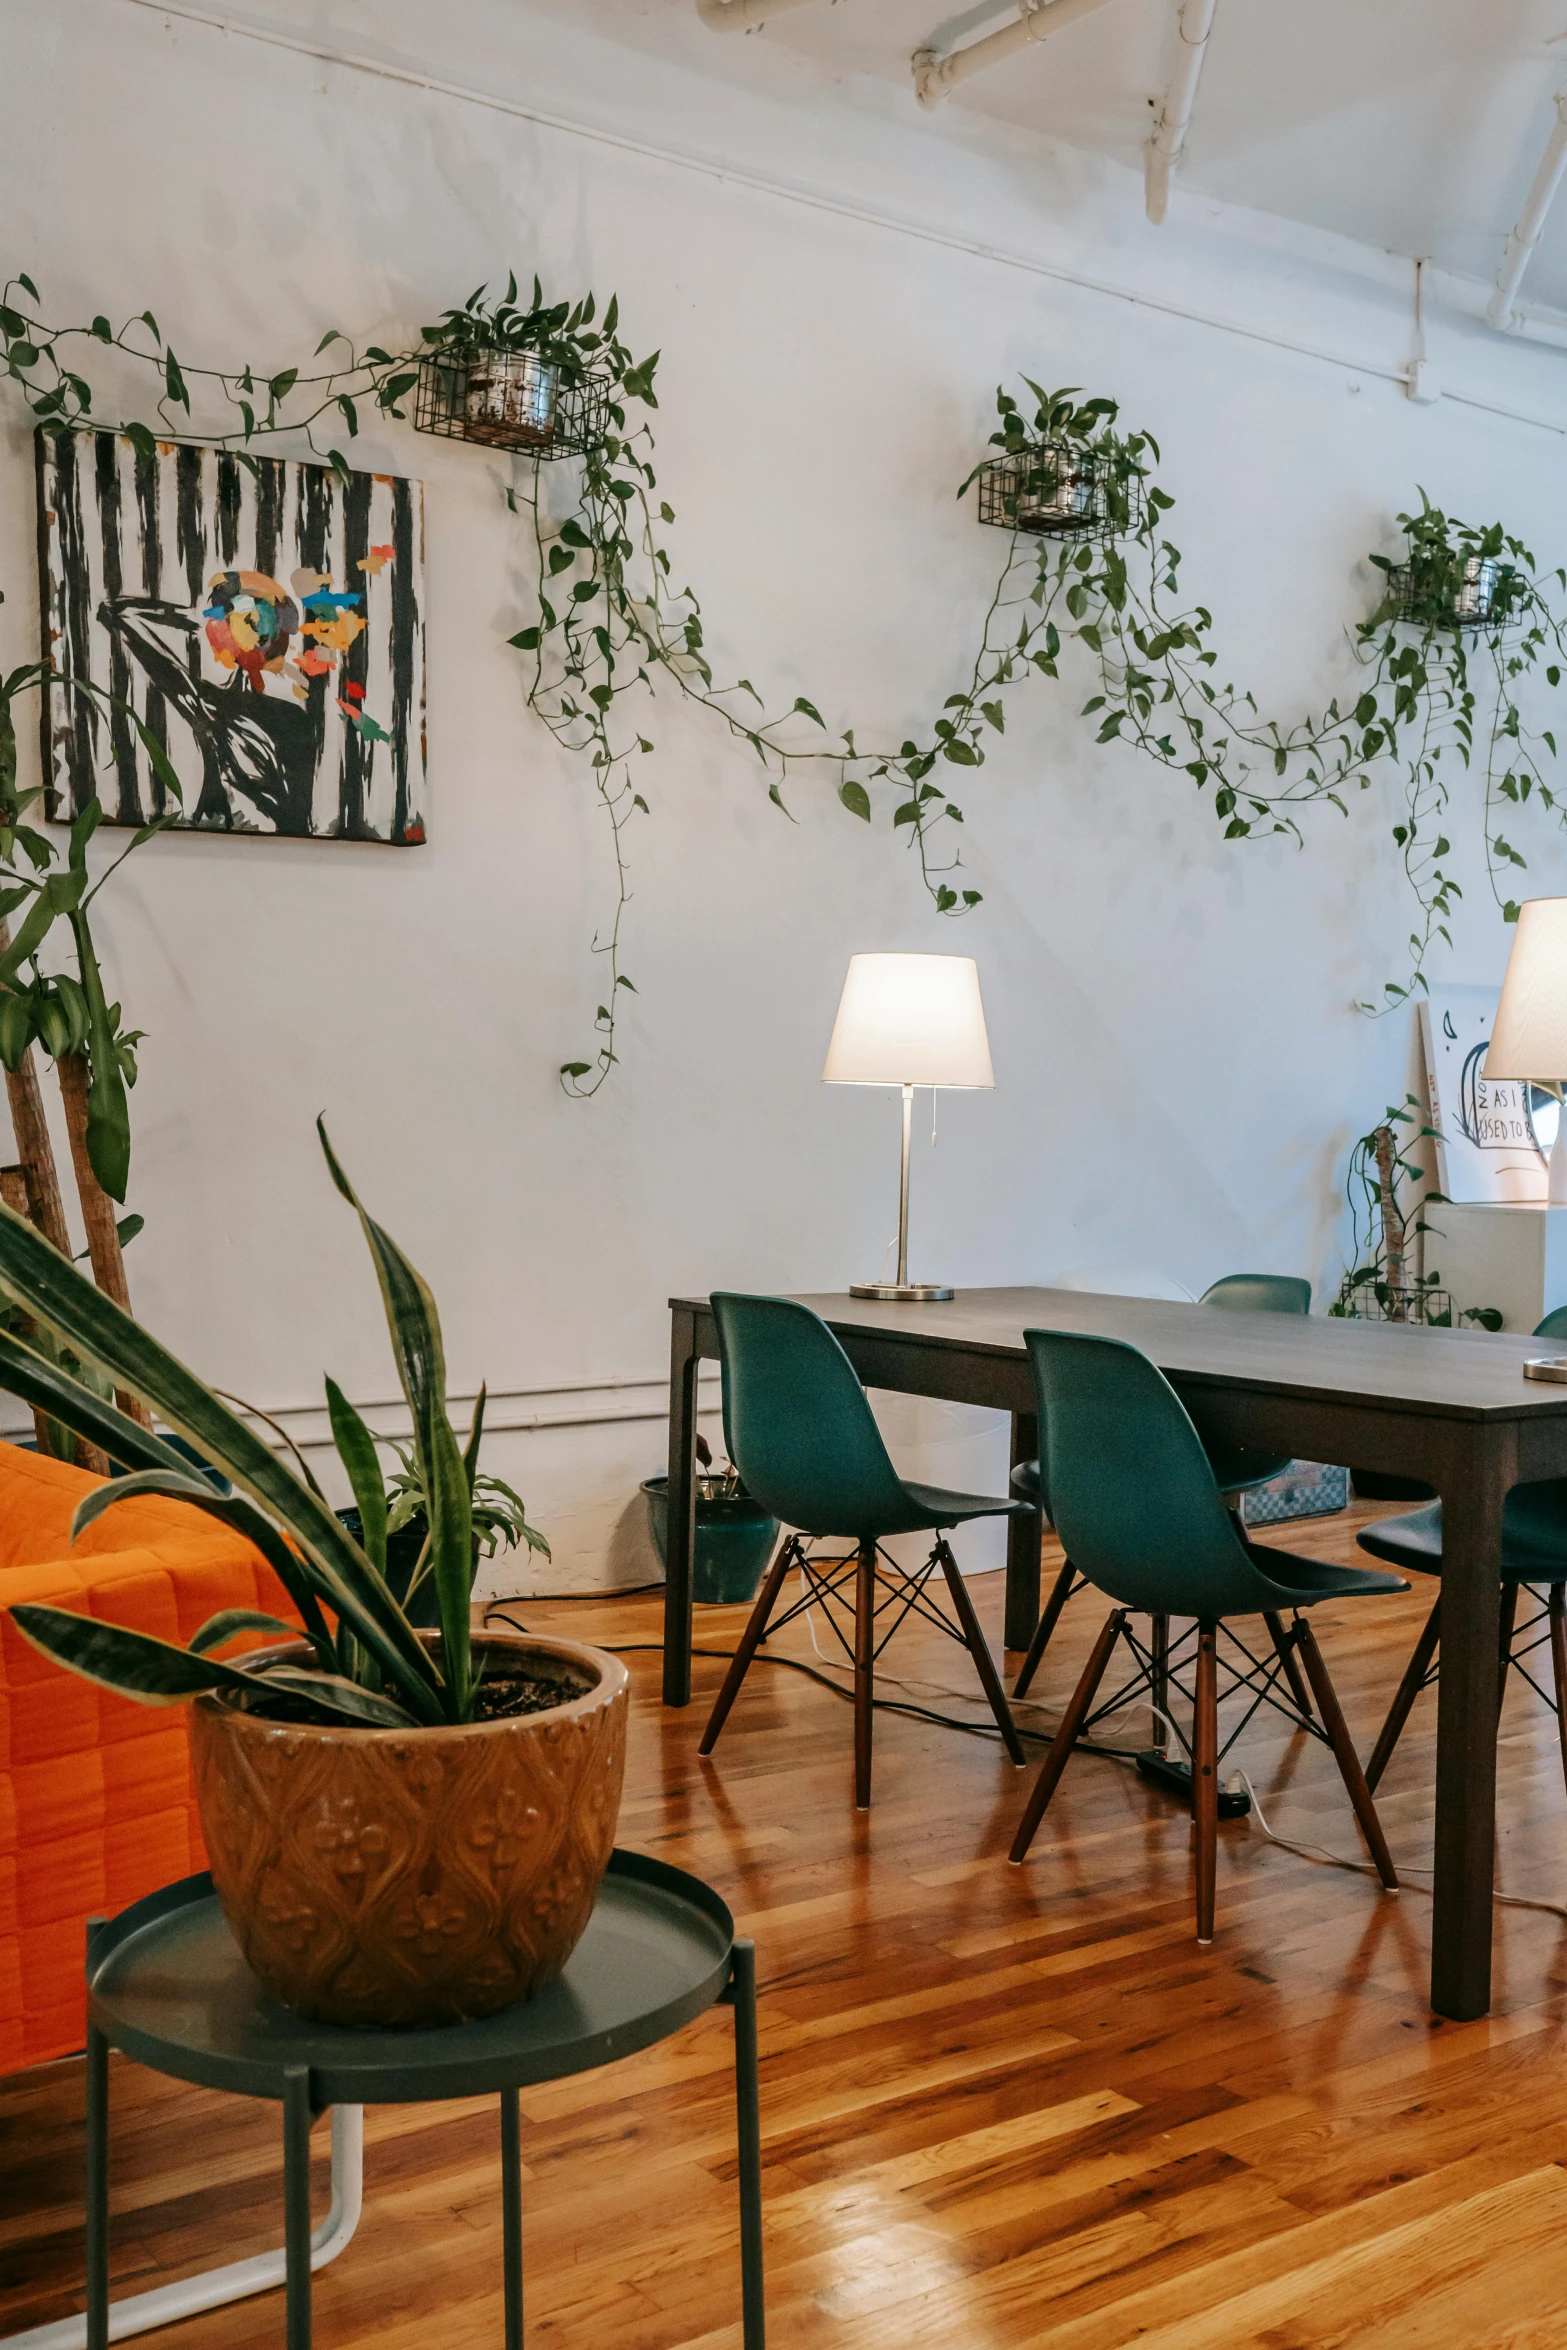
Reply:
x=415, y=1877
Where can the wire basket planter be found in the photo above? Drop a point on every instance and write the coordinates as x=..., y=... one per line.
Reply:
x=1483, y=592
x=1058, y=489
x=512, y=400
x=1375, y=1301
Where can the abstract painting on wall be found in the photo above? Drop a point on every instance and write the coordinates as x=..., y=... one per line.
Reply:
x=265, y=621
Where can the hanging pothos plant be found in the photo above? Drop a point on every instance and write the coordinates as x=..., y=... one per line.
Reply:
x=1462, y=624
x=1442, y=670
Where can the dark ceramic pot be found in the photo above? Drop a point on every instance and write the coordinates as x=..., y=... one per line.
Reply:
x=734, y=1541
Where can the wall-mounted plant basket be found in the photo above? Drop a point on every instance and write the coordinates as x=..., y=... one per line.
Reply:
x=1481, y=592
x=1059, y=489
x=512, y=400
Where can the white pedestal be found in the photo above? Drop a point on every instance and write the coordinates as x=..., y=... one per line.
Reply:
x=1513, y=1257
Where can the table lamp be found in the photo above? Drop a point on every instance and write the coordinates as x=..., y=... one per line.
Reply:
x=909, y=1020
x=1529, y=1035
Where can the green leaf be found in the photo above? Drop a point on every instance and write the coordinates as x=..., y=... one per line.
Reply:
x=356, y=1450
x=174, y=382
x=809, y=710
x=229, y=1622
x=855, y=798
x=526, y=640
x=415, y=1330
x=36, y=1278
x=182, y=1483
x=135, y=1664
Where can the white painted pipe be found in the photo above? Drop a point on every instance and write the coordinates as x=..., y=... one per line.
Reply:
x=934, y=76
x=743, y=16
x=1519, y=249
x=1163, y=152
x=238, y=2279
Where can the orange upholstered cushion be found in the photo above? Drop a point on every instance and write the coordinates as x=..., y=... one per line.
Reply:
x=96, y=1806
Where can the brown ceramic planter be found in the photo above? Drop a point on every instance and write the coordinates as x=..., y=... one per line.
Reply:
x=414, y=1877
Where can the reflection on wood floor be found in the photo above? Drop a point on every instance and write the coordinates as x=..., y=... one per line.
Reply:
x=999, y=2106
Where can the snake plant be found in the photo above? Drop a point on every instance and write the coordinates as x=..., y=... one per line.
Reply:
x=367, y=1662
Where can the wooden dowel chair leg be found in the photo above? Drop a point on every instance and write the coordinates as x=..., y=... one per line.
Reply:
x=864, y=1672
x=750, y=1641
x=1557, y=1603
x=1344, y=1753
x=1284, y=1648
x=1060, y=1592
x=1159, y=1679
x=984, y=1663
x=1066, y=1737
x=1205, y=1776
x=1408, y=1690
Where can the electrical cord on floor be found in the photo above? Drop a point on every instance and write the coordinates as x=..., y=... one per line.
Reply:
x=1318, y=1854
x=796, y=1664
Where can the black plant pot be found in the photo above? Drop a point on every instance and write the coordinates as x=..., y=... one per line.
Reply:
x=402, y=1556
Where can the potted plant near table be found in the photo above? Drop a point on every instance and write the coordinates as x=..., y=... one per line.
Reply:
x=403, y=1826
x=500, y=1519
x=735, y=1536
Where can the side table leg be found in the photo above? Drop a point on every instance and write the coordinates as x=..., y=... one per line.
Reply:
x=511, y=2213
x=97, y=2190
x=296, y=2202
x=748, y=2116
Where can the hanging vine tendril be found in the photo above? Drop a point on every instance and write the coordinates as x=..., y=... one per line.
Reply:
x=611, y=625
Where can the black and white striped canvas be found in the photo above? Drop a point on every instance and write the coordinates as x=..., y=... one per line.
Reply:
x=266, y=624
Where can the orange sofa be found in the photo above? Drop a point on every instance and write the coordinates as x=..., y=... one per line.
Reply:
x=96, y=1804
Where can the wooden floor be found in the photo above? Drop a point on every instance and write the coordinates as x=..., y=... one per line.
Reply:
x=999, y=2106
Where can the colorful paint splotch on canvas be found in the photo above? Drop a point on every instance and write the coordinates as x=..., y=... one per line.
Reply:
x=265, y=621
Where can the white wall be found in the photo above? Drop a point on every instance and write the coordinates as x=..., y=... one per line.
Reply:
x=1179, y=1068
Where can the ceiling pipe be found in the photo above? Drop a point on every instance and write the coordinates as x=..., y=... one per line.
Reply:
x=934, y=76
x=743, y=16
x=1163, y=152
x=1519, y=249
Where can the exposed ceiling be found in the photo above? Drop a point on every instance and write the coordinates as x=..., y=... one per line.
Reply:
x=1415, y=125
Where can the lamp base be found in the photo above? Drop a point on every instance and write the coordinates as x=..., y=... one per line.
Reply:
x=918, y=1293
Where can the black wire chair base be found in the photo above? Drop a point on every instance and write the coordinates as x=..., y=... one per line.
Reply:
x=1516, y=1643
x=1263, y=1678
x=885, y=1595
x=829, y=1584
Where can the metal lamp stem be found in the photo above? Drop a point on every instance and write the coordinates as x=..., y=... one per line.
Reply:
x=903, y=1190
x=902, y=1289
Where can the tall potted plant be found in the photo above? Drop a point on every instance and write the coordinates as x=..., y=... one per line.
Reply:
x=403, y=1827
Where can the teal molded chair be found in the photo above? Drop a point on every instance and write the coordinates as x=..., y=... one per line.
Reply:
x=806, y=1444
x=1534, y=1554
x=1136, y=1502
x=1237, y=1467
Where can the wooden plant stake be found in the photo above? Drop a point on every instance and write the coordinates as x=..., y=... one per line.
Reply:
x=103, y=1238
x=13, y=1190
x=37, y=1195
x=1392, y=1226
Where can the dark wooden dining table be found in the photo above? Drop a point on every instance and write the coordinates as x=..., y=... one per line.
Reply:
x=1451, y=1407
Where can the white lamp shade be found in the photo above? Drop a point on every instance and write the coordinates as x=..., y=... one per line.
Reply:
x=1529, y=1034
x=910, y=1020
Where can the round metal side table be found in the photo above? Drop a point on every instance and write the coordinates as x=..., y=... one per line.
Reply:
x=167, y=1986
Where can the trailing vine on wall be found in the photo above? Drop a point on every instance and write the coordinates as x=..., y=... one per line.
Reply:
x=1435, y=697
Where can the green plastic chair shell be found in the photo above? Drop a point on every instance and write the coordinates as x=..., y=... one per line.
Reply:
x=1534, y=1521
x=1136, y=1503
x=802, y=1435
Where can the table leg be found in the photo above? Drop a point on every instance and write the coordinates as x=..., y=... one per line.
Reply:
x=1465, y=1858
x=97, y=2184
x=680, y=1540
x=511, y=2212
x=748, y=2116
x=296, y=2202
x=1023, y=1546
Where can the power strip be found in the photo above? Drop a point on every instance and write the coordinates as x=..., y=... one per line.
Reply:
x=1175, y=1777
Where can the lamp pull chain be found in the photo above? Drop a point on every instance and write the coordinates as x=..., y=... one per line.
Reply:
x=935, y=1089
